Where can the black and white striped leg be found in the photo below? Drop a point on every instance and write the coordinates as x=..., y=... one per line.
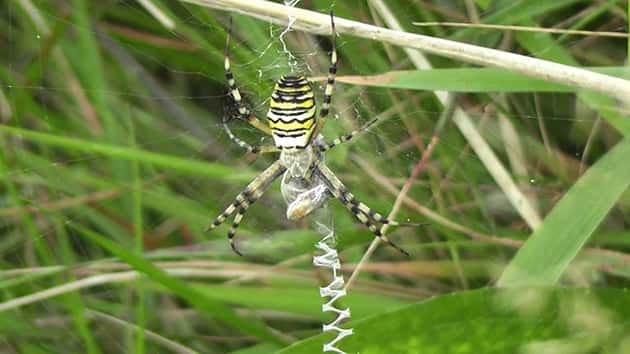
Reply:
x=232, y=232
x=236, y=204
x=330, y=83
x=245, y=145
x=243, y=112
x=357, y=206
x=246, y=198
x=253, y=197
x=368, y=217
x=345, y=138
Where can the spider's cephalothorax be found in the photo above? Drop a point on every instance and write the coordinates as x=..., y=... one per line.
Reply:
x=294, y=125
x=291, y=113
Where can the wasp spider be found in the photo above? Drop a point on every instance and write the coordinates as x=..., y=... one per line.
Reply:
x=294, y=125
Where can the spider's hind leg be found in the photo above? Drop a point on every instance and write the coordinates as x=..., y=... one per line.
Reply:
x=235, y=224
x=246, y=198
x=358, y=206
x=364, y=214
x=368, y=217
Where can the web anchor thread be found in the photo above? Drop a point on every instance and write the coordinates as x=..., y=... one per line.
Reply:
x=330, y=259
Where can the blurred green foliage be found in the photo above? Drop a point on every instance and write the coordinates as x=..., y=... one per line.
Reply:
x=113, y=159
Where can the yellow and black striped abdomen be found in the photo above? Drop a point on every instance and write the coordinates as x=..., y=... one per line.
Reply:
x=292, y=112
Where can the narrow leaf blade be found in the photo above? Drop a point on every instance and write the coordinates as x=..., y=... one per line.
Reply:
x=548, y=252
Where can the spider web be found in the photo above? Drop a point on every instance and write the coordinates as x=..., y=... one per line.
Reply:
x=40, y=180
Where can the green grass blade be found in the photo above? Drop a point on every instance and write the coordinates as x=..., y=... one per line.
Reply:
x=195, y=297
x=176, y=163
x=548, y=252
x=74, y=301
x=302, y=301
x=138, y=229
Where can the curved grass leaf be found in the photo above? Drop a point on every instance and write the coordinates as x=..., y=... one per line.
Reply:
x=195, y=297
x=558, y=321
x=304, y=301
x=548, y=252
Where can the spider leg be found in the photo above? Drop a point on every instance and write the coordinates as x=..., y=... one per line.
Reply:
x=368, y=217
x=246, y=198
x=232, y=232
x=245, y=145
x=371, y=213
x=345, y=138
x=228, y=211
x=330, y=83
x=361, y=212
x=243, y=112
x=255, y=195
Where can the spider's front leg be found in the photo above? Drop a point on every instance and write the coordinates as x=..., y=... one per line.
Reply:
x=330, y=83
x=242, y=111
x=246, y=198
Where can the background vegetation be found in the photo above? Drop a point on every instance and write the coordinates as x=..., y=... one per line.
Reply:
x=113, y=161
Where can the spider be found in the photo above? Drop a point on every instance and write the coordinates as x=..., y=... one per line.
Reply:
x=292, y=122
